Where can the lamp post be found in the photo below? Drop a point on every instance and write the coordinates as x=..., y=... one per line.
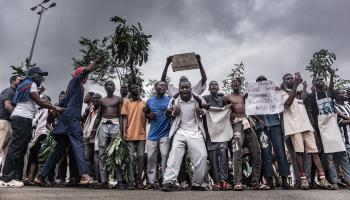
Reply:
x=40, y=13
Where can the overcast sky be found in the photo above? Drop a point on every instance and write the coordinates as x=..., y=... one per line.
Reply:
x=271, y=37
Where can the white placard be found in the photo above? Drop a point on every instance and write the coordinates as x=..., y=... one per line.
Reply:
x=263, y=99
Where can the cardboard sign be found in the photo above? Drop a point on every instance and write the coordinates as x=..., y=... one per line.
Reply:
x=263, y=99
x=185, y=61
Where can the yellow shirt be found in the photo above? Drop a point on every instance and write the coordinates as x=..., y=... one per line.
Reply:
x=136, y=128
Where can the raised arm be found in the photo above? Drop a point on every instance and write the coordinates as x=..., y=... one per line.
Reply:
x=331, y=80
x=304, y=93
x=201, y=69
x=92, y=64
x=165, y=71
x=292, y=94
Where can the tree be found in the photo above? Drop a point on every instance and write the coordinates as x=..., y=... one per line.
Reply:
x=23, y=68
x=322, y=63
x=237, y=71
x=123, y=53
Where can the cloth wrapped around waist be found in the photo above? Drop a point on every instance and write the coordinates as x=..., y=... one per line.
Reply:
x=245, y=122
x=110, y=121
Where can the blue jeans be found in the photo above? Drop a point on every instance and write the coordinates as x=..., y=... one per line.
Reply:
x=63, y=141
x=334, y=160
x=274, y=139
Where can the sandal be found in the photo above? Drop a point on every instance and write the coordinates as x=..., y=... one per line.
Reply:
x=226, y=186
x=259, y=186
x=86, y=180
x=238, y=187
x=14, y=184
x=217, y=186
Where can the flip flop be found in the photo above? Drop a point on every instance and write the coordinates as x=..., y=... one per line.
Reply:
x=260, y=187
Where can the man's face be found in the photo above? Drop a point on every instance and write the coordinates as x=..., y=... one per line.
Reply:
x=213, y=87
x=62, y=96
x=134, y=90
x=123, y=90
x=16, y=82
x=161, y=88
x=185, y=89
x=318, y=82
x=87, y=98
x=96, y=99
x=341, y=95
x=38, y=79
x=235, y=84
x=110, y=87
x=288, y=80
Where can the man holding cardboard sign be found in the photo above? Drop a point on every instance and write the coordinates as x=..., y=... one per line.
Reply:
x=185, y=62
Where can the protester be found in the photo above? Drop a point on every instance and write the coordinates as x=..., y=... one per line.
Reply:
x=41, y=128
x=134, y=132
x=109, y=121
x=6, y=108
x=275, y=136
x=217, y=151
x=89, y=135
x=157, y=140
x=186, y=130
x=26, y=99
x=342, y=158
x=68, y=129
x=243, y=133
x=88, y=101
x=302, y=135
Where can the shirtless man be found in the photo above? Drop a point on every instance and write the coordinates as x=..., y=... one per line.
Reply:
x=243, y=134
x=108, y=123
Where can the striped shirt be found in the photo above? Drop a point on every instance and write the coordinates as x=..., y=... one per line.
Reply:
x=344, y=128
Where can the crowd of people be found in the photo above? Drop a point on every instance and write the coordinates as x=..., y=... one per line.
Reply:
x=177, y=151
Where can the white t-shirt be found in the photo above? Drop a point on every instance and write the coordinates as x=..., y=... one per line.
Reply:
x=295, y=118
x=197, y=90
x=28, y=108
x=189, y=125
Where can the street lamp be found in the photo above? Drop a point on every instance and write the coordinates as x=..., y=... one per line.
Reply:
x=40, y=13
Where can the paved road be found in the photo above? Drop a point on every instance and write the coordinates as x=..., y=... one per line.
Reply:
x=37, y=193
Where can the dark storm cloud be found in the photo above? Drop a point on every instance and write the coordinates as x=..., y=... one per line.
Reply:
x=263, y=34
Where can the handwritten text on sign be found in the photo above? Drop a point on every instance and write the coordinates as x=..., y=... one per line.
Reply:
x=263, y=99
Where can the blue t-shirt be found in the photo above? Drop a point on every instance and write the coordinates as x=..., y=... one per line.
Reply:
x=160, y=126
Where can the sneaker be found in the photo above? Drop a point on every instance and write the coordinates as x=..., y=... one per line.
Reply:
x=324, y=184
x=197, y=187
x=167, y=187
x=140, y=186
x=131, y=186
x=15, y=184
x=304, y=184
x=153, y=186
x=121, y=186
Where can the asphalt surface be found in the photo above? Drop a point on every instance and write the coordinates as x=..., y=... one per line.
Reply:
x=37, y=193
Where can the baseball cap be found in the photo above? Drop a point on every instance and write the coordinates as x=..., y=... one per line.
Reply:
x=37, y=70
